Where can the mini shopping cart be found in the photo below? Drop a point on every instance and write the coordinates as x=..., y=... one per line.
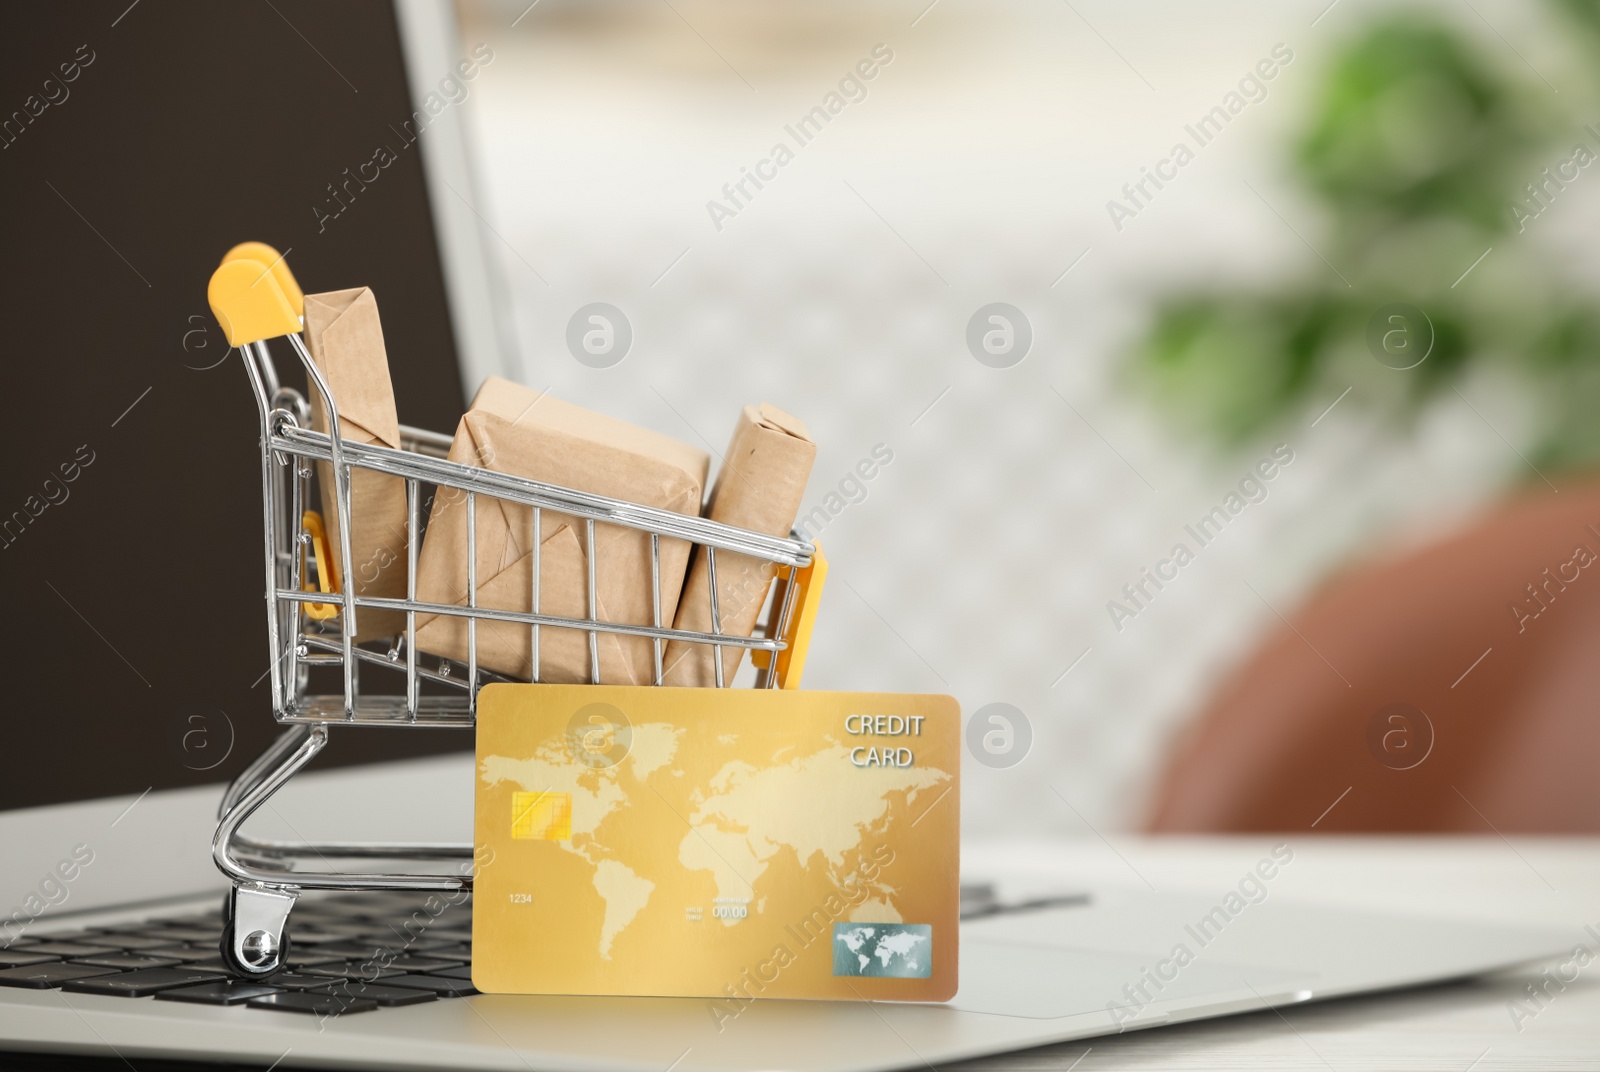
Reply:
x=311, y=621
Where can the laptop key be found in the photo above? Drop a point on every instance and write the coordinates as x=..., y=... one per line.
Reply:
x=219, y=992
x=347, y=948
x=422, y=964
x=21, y=957
x=315, y=1002
x=129, y=928
x=212, y=963
x=397, y=942
x=137, y=984
x=441, y=948
x=70, y=949
x=318, y=935
x=47, y=976
x=183, y=952
x=81, y=936
x=444, y=987
x=126, y=961
x=463, y=972
x=297, y=981
x=212, y=918
x=353, y=969
x=136, y=942
x=383, y=995
x=211, y=935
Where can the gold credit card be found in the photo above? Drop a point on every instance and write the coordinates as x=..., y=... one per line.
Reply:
x=720, y=843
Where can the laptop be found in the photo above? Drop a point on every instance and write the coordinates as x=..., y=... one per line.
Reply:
x=150, y=138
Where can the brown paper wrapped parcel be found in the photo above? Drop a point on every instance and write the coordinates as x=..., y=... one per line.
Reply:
x=346, y=342
x=511, y=429
x=759, y=487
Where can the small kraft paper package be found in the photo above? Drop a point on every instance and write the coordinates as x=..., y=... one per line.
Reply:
x=345, y=338
x=720, y=843
x=759, y=487
x=512, y=429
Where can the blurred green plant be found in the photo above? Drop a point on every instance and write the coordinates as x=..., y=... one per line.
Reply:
x=1420, y=153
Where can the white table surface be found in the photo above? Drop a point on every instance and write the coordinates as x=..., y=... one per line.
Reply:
x=1469, y=1025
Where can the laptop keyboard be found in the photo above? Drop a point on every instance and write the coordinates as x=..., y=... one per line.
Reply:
x=348, y=953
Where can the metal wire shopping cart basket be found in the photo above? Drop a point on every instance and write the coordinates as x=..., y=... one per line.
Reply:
x=314, y=625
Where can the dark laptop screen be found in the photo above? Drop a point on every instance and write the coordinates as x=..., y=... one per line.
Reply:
x=137, y=144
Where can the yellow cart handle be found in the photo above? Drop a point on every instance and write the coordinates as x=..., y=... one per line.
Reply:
x=265, y=254
x=327, y=573
x=802, y=620
x=254, y=296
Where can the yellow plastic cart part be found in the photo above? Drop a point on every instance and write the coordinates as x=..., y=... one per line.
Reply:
x=248, y=303
x=260, y=251
x=802, y=620
x=327, y=573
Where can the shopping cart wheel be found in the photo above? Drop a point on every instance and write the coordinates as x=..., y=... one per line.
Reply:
x=255, y=930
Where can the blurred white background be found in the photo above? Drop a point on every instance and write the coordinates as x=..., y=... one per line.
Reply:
x=976, y=170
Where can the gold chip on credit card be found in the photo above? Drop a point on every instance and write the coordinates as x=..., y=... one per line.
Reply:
x=721, y=843
x=542, y=815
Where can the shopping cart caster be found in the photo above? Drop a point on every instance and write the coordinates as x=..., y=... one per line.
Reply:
x=255, y=930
